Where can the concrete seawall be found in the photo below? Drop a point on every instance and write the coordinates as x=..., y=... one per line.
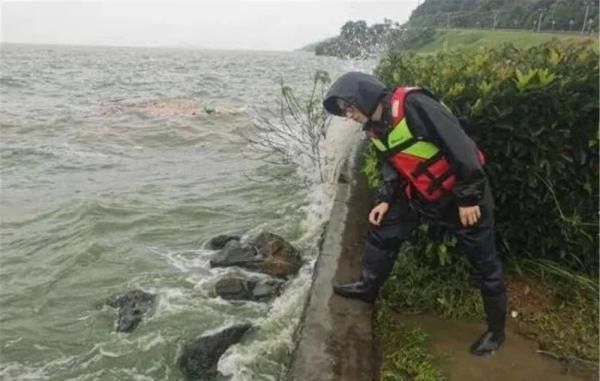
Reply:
x=335, y=340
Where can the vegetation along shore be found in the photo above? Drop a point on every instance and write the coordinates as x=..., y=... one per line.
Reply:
x=529, y=97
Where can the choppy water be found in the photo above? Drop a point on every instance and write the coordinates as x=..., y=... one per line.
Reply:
x=114, y=173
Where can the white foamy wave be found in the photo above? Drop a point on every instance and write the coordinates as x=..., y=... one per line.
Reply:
x=91, y=376
x=341, y=140
x=187, y=260
x=17, y=371
x=119, y=346
x=138, y=377
x=97, y=354
x=12, y=342
x=274, y=337
x=264, y=353
x=245, y=362
x=147, y=342
x=172, y=300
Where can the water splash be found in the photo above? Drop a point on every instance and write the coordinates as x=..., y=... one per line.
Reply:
x=97, y=201
x=271, y=347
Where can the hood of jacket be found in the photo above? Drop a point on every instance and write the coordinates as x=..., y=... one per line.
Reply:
x=361, y=90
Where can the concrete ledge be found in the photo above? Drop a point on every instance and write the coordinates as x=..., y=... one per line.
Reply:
x=335, y=340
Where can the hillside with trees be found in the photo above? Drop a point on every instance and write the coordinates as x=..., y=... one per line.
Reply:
x=358, y=40
x=539, y=15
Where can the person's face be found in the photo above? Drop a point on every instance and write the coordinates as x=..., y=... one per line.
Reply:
x=352, y=112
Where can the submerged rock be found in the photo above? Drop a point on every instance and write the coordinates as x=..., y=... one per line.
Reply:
x=268, y=253
x=199, y=359
x=237, y=288
x=220, y=241
x=133, y=306
x=280, y=257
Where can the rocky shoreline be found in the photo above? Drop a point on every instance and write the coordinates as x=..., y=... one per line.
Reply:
x=335, y=338
x=267, y=254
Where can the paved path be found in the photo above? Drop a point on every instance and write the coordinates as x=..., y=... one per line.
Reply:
x=517, y=359
x=336, y=342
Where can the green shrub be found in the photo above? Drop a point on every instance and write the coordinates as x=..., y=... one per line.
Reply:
x=535, y=115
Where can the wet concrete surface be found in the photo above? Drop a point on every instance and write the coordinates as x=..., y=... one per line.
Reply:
x=336, y=341
x=516, y=360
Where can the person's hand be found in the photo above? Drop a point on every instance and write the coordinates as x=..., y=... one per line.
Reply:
x=469, y=215
x=377, y=213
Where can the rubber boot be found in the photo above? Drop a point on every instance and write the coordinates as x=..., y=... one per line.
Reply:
x=492, y=339
x=365, y=289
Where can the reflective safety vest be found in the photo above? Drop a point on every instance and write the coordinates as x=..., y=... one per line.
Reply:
x=420, y=162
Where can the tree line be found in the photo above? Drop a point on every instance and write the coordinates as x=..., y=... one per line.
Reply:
x=547, y=15
x=358, y=40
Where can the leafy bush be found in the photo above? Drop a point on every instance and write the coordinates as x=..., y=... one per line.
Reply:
x=535, y=115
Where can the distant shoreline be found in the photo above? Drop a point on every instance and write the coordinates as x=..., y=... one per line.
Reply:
x=174, y=47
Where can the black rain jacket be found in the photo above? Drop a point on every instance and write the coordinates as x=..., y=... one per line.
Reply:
x=427, y=118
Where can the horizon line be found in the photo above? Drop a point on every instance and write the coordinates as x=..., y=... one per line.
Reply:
x=182, y=47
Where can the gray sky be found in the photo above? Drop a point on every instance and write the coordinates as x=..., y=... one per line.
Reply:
x=230, y=24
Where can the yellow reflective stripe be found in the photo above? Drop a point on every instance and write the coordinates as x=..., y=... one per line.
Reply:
x=399, y=134
x=379, y=144
x=424, y=150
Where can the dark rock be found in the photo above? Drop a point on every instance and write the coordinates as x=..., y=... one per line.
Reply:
x=342, y=179
x=280, y=258
x=234, y=289
x=268, y=253
x=199, y=359
x=220, y=241
x=133, y=306
x=234, y=254
x=237, y=288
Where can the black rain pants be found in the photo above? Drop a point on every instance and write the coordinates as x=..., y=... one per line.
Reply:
x=477, y=242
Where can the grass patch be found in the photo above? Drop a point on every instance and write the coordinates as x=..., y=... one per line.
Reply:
x=419, y=284
x=558, y=308
x=405, y=351
x=446, y=39
x=554, y=306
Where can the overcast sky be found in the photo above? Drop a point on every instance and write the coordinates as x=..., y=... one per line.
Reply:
x=230, y=24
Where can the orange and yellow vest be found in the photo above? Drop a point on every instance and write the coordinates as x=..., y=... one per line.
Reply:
x=421, y=162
